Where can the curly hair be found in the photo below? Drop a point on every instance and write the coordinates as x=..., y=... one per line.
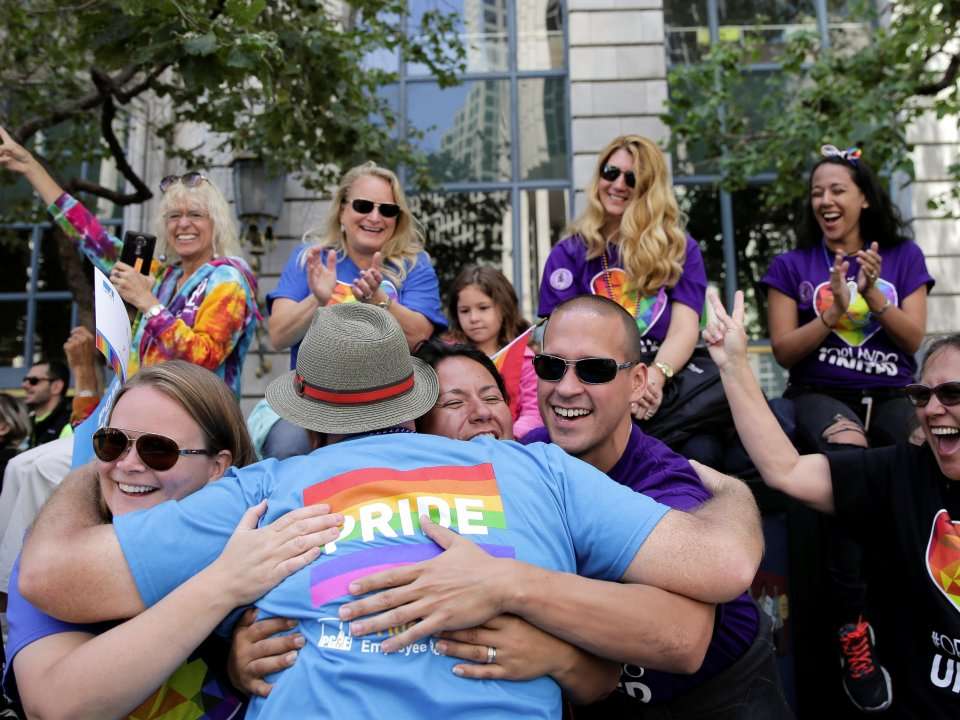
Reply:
x=880, y=221
x=399, y=252
x=651, y=239
x=495, y=285
x=206, y=198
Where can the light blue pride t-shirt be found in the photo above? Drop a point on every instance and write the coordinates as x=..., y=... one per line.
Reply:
x=536, y=504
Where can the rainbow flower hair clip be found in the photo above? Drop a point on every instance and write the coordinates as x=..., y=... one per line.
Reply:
x=851, y=154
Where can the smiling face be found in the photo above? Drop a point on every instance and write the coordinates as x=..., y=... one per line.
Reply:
x=367, y=234
x=616, y=195
x=479, y=317
x=127, y=484
x=837, y=203
x=591, y=422
x=190, y=230
x=470, y=403
x=940, y=423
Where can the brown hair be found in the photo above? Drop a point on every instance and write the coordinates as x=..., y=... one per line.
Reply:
x=651, y=238
x=206, y=398
x=494, y=284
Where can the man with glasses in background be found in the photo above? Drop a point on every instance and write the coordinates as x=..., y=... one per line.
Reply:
x=45, y=394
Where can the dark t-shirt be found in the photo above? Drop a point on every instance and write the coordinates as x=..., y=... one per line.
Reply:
x=900, y=505
x=650, y=467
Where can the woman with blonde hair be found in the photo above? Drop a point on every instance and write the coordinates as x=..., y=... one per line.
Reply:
x=198, y=303
x=369, y=250
x=629, y=245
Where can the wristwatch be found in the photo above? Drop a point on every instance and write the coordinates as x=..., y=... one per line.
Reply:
x=153, y=311
x=386, y=303
x=665, y=368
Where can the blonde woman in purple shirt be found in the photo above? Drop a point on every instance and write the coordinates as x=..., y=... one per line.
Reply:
x=847, y=310
x=629, y=245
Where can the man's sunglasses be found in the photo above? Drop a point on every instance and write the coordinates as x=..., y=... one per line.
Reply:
x=33, y=381
x=365, y=207
x=947, y=393
x=191, y=179
x=593, y=371
x=610, y=173
x=156, y=451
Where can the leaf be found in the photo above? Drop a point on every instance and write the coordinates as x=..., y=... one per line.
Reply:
x=205, y=44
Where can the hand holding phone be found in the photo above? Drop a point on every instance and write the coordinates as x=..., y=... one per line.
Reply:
x=137, y=250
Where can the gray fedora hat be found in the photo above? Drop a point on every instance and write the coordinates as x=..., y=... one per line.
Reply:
x=354, y=374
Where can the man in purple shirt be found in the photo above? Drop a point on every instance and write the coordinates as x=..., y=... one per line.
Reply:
x=589, y=417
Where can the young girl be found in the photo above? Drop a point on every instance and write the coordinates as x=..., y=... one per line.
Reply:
x=484, y=312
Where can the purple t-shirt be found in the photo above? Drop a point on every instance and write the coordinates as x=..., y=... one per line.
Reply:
x=568, y=274
x=650, y=467
x=419, y=292
x=858, y=353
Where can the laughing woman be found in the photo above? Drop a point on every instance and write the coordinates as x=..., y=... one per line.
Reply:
x=198, y=304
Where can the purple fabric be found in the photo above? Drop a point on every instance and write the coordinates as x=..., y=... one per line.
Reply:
x=859, y=353
x=568, y=274
x=650, y=467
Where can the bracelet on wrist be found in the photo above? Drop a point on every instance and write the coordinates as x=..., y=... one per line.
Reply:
x=823, y=319
x=881, y=311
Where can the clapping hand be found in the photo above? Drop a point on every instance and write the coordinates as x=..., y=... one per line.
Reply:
x=366, y=288
x=321, y=274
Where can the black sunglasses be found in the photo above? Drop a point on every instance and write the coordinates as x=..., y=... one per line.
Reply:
x=610, y=173
x=33, y=381
x=191, y=179
x=593, y=371
x=947, y=393
x=365, y=207
x=156, y=451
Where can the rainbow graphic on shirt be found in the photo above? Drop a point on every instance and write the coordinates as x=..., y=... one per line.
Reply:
x=858, y=324
x=647, y=311
x=943, y=556
x=382, y=506
x=342, y=292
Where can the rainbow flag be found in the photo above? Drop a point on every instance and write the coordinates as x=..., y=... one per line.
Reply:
x=104, y=346
x=381, y=503
x=509, y=362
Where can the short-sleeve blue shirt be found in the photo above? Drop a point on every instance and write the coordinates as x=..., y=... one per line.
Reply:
x=420, y=290
x=534, y=503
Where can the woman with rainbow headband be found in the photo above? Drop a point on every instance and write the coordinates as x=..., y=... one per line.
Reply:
x=369, y=250
x=629, y=245
x=847, y=311
x=199, y=302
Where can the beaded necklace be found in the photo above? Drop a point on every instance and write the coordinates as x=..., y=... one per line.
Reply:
x=606, y=279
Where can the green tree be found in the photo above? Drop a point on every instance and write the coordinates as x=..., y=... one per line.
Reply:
x=290, y=80
x=742, y=125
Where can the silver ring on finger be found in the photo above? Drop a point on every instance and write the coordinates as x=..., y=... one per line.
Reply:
x=491, y=654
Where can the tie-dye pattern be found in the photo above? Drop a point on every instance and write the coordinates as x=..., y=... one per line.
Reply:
x=210, y=321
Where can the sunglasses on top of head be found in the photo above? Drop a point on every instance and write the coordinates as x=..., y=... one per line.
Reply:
x=947, y=393
x=365, y=207
x=610, y=173
x=593, y=371
x=191, y=179
x=156, y=451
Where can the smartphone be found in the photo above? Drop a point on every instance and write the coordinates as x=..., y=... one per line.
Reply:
x=137, y=250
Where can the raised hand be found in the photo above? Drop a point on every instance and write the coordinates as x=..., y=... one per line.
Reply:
x=839, y=287
x=724, y=335
x=13, y=156
x=321, y=274
x=366, y=288
x=870, y=266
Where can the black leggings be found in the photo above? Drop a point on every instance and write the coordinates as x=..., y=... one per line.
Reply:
x=891, y=419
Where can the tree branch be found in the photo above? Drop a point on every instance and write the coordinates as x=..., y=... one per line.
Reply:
x=87, y=102
x=949, y=78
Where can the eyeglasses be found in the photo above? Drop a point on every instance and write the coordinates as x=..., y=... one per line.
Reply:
x=191, y=179
x=33, y=381
x=156, y=451
x=365, y=207
x=593, y=371
x=610, y=173
x=947, y=393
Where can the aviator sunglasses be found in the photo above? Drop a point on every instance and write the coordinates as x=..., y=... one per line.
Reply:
x=365, y=207
x=947, y=393
x=593, y=371
x=156, y=451
x=610, y=173
x=191, y=179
